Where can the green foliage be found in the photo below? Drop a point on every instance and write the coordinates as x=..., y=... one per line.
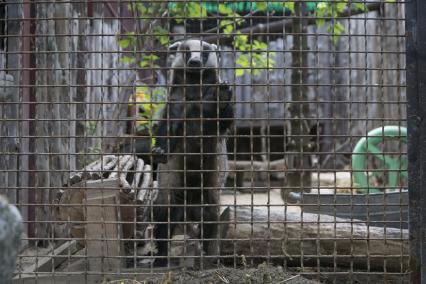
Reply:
x=261, y=6
x=91, y=127
x=257, y=57
x=148, y=60
x=162, y=35
x=290, y=6
x=360, y=6
x=253, y=55
x=128, y=39
x=224, y=9
x=150, y=102
x=188, y=9
x=92, y=150
x=332, y=10
x=336, y=29
x=128, y=59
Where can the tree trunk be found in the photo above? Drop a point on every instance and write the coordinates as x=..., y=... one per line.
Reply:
x=299, y=177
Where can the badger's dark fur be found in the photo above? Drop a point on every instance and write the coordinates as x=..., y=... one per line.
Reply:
x=198, y=114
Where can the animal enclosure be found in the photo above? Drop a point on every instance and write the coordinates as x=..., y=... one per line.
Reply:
x=212, y=141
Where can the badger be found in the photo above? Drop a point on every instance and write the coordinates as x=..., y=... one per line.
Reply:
x=192, y=136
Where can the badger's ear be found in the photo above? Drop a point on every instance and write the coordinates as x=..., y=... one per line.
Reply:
x=174, y=47
x=214, y=46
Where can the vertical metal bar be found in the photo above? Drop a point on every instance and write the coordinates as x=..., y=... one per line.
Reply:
x=12, y=65
x=28, y=109
x=416, y=120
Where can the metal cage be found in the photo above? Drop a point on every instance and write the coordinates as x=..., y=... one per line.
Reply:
x=210, y=141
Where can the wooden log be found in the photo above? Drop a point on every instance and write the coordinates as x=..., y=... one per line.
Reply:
x=146, y=196
x=116, y=172
x=71, y=207
x=94, y=170
x=103, y=232
x=131, y=163
x=138, y=173
x=121, y=164
x=146, y=183
x=260, y=233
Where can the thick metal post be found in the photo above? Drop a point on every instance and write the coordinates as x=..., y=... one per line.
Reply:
x=416, y=120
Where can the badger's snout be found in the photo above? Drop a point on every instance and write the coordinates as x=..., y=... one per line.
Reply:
x=194, y=63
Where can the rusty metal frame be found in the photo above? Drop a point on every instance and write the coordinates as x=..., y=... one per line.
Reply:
x=416, y=120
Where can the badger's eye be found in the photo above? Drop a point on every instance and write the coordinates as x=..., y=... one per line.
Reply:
x=205, y=53
x=186, y=53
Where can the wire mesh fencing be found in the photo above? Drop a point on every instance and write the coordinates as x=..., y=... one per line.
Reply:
x=230, y=142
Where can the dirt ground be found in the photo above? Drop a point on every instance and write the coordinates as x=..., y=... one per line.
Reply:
x=262, y=274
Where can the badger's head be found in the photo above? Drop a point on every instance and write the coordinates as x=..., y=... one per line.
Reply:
x=194, y=57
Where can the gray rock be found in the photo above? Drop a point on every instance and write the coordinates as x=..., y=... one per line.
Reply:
x=10, y=239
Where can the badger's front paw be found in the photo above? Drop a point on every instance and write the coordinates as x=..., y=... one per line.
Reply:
x=159, y=155
x=225, y=92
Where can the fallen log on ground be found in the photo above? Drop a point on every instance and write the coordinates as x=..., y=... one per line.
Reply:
x=259, y=233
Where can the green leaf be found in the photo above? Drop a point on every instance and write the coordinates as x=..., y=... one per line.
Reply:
x=228, y=29
x=148, y=60
x=320, y=23
x=243, y=60
x=239, y=72
x=124, y=43
x=144, y=64
x=238, y=19
x=143, y=89
x=227, y=25
x=162, y=35
x=322, y=11
x=261, y=6
x=270, y=64
x=240, y=41
x=152, y=57
x=164, y=40
x=258, y=45
x=341, y=7
x=290, y=6
x=141, y=8
x=127, y=60
x=224, y=10
x=361, y=7
x=195, y=10
x=336, y=29
x=322, y=6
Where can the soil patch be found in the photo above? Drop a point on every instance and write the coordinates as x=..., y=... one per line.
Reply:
x=262, y=274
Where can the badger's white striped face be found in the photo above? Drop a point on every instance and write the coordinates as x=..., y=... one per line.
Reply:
x=194, y=55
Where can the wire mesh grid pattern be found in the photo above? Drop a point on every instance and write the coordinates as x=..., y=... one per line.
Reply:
x=210, y=141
